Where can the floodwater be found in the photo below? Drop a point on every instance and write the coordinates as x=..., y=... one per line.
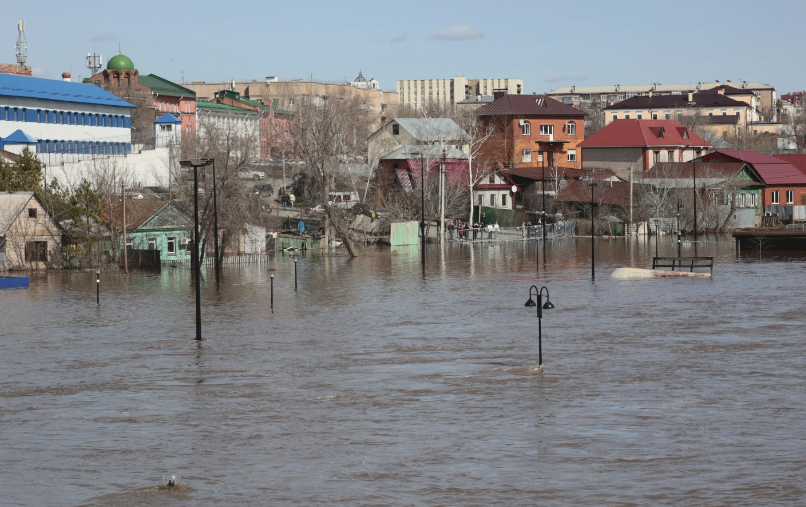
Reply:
x=373, y=385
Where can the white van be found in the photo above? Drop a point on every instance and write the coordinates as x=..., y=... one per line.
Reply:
x=343, y=199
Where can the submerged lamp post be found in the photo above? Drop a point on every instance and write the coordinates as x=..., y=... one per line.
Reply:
x=271, y=275
x=679, y=207
x=657, y=235
x=195, y=163
x=548, y=305
x=296, y=259
x=98, y=284
x=592, y=183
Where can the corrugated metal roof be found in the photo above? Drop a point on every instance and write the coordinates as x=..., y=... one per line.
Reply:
x=18, y=137
x=165, y=87
x=432, y=129
x=60, y=91
x=798, y=161
x=405, y=181
x=773, y=171
x=214, y=106
x=529, y=105
x=643, y=133
x=670, y=101
x=167, y=118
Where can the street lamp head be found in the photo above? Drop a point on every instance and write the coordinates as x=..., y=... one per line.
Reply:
x=271, y=272
x=97, y=270
x=548, y=305
x=171, y=479
x=296, y=258
x=531, y=302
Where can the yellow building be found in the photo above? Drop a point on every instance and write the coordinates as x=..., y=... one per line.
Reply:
x=417, y=93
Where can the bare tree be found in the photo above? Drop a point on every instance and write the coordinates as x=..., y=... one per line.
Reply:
x=479, y=133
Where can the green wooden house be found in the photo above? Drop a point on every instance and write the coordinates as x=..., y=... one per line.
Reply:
x=153, y=224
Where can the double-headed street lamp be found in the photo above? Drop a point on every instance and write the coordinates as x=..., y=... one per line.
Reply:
x=592, y=183
x=195, y=163
x=548, y=305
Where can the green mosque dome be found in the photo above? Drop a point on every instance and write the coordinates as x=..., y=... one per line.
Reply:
x=120, y=62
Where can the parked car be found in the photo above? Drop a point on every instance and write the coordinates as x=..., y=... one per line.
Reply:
x=344, y=199
x=263, y=188
x=251, y=174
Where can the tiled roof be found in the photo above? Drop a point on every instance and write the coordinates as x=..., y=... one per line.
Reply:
x=677, y=101
x=643, y=133
x=773, y=171
x=60, y=91
x=165, y=87
x=684, y=170
x=529, y=105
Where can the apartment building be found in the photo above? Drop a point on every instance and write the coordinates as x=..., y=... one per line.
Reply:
x=417, y=93
x=599, y=97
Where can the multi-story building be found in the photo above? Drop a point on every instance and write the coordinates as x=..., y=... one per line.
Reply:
x=797, y=99
x=525, y=127
x=599, y=97
x=417, y=93
x=122, y=79
x=63, y=117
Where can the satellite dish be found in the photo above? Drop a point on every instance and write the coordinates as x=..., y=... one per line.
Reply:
x=514, y=188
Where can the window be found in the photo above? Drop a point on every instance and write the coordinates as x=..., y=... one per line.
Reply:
x=31, y=212
x=171, y=246
x=626, y=115
x=166, y=128
x=572, y=155
x=539, y=156
x=640, y=116
x=492, y=200
x=654, y=115
x=527, y=156
x=152, y=243
x=724, y=112
x=24, y=114
x=710, y=112
x=395, y=129
x=571, y=128
x=526, y=128
x=547, y=130
x=775, y=197
x=39, y=116
x=667, y=115
x=481, y=200
x=656, y=156
x=614, y=116
x=36, y=251
x=790, y=197
x=670, y=154
x=503, y=200
x=752, y=200
x=491, y=179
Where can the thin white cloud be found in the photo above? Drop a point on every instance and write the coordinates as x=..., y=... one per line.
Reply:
x=40, y=72
x=400, y=38
x=457, y=33
x=103, y=37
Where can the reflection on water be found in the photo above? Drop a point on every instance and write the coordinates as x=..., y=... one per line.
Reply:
x=375, y=385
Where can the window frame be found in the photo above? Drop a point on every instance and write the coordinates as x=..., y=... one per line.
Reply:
x=526, y=128
x=526, y=155
x=36, y=251
x=790, y=197
x=546, y=130
x=171, y=246
x=775, y=197
x=572, y=155
x=149, y=242
x=571, y=128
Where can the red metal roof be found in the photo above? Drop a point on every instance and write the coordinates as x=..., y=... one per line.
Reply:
x=644, y=133
x=615, y=193
x=685, y=170
x=798, y=161
x=772, y=170
x=529, y=105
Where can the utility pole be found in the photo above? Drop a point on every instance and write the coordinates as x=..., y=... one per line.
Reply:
x=215, y=227
x=125, y=247
x=631, y=180
x=442, y=198
x=694, y=175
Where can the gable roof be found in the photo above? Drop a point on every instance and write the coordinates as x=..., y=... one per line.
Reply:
x=138, y=211
x=677, y=101
x=167, y=118
x=799, y=161
x=644, y=133
x=773, y=171
x=18, y=137
x=684, y=170
x=11, y=204
x=529, y=105
x=60, y=91
x=11, y=157
x=727, y=90
x=432, y=129
x=165, y=87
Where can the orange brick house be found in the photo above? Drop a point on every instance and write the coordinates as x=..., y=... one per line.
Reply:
x=532, y=131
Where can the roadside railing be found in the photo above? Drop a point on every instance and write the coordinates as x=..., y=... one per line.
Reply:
x=521, y=233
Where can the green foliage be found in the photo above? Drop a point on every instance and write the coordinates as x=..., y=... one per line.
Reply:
x=24, y=176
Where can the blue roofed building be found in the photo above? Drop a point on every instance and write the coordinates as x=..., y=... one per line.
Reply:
x=62, y=117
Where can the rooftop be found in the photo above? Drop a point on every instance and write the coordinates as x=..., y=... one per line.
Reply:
x=673, y=101
x=411, y=152
x=529, y=105
x=11, y=204
x=644, y=133
x=773, y=170
x=690, y=87
x=165, y=87
x=56, y=90
x=432, y=129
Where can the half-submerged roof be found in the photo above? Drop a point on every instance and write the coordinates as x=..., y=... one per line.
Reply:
x=529, y=105
x=60, y=91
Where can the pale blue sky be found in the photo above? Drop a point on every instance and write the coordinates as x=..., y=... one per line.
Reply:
x=548, y=44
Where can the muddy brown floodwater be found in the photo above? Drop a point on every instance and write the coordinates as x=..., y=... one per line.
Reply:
x=374, y=385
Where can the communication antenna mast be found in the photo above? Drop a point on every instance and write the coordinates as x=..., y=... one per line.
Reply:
x=22, y=44
x=94, y=62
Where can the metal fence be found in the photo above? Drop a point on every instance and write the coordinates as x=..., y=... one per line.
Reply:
x=522, y=233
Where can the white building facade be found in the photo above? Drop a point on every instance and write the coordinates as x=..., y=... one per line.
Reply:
x=417, y=93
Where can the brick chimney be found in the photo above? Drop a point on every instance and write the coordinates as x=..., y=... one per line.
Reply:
x=497, y=94
x=66, y=76
x=721, y=91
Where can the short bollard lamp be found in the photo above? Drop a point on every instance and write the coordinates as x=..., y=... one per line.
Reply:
x=271, y=275
x=296, y=259
x=548, y=305
x=98, y=284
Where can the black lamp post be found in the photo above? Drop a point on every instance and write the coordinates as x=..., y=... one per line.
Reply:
x=592, y=184
x=215, y=227
x=679, y=207
x=657, y=235
x=422, y=206
x=694, y=176
x=295, y=271
x=271, y=275
x=98, y=284
x=540, y=307
x=195, y=163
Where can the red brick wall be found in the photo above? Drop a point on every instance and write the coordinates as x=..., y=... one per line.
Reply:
x=800, y=195
x=17, y=70
x=507, y=144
